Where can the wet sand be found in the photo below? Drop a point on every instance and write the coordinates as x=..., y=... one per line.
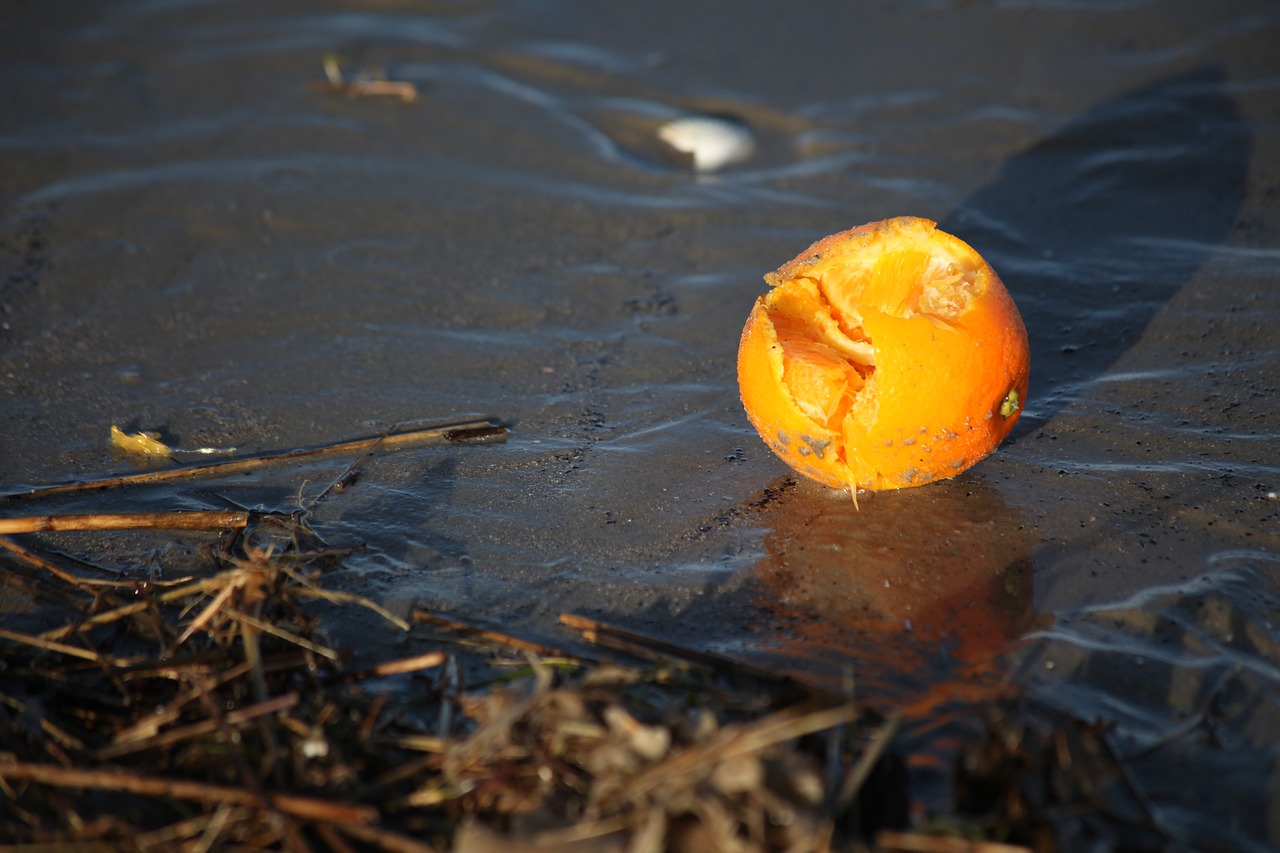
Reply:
x=197, y=240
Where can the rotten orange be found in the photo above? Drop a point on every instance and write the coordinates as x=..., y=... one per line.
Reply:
x=886, y=356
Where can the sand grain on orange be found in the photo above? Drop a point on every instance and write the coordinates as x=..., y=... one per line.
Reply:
x=887, y=356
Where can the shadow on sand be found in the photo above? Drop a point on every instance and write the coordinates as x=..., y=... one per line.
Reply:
x=1096, y=227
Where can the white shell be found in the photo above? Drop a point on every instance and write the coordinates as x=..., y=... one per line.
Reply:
x=713, y=143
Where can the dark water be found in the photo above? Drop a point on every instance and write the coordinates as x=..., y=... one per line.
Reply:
x=196, y=240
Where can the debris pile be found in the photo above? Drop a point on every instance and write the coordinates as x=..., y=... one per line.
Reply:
x=212, y=711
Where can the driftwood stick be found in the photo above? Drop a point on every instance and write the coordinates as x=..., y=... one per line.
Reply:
x=308, y=808
x=213, y=520
x=442, y=434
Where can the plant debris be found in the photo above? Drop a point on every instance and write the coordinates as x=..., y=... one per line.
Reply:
x=213, y=711
x=1053, y=781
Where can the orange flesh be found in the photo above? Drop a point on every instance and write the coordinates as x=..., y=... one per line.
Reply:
x=883, y=357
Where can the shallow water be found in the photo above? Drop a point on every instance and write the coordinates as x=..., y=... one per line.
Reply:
x=197, y=241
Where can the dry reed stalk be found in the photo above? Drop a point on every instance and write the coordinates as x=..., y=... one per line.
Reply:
x=416, y=663
x=288, y=636
x=59, y=648
x=859, y=773
x=205, y=727
x=385, y=839
x=205, y=826
x=660, y=651
x=485, y=635
x=168, y=596
x=55, y=847
x=308, y=808
x=150, y=725
x=459, y=431
x=64, y=738
x=33, y=559
x=584, y=831
x=212, y=609
x=311, y=590
x=208, y=664
x=423, y=743
x=180, y=520
x=892, y=841
x=246, y=573
x=734, y=741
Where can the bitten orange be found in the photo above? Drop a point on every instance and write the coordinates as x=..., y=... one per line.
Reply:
x=886, y=356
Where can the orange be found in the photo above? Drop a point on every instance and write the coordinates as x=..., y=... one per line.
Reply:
x=887, y=356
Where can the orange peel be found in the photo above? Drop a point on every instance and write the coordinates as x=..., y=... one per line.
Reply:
x=883, y=357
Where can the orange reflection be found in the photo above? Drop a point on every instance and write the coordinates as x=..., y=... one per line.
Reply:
x=916, y=594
